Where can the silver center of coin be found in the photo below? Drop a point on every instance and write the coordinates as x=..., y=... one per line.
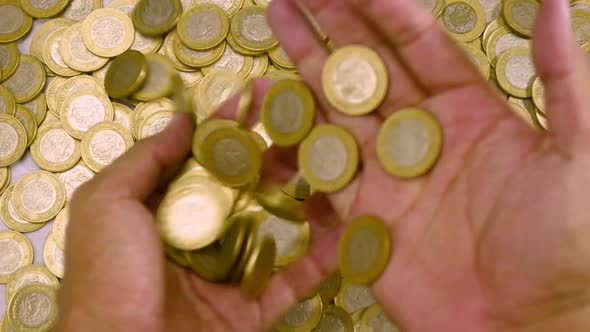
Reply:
x=520, y=71
x=106, y=146
x=327, y=158
x=8, y=140
x=38, y=196
x=355, y=80
x=11, y=256
x=286, y=112
x=408, y=142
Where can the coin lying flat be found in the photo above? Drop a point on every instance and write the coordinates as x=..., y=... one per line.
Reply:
x=203, y=26
x=251, y=30
x=40, y=35
x=156, y=17
x=155, y=124
x=53, y=257
x=328, y=158
x=330, y=287
x=215, y=89
x=521, y=15
x=353, y=297
x=409, y=143
x=52, y=57
x=60, y=227
x=73, y=84
x=123, y=115
x=27, y=119
x=74, y=178
x=75, y=53
x=464, y=20
x=104, y=143
x=43, y=9
x=83, y=110
x=38, y=196
x=539, y=95
x=108, y=32
x=15, y=22
x=9, y=60
x=291, y=238
x=168, y=50
x=516, y=72
x=54, y=150
x=355, y=80
x=502, y=40
x=492, y=26
x=232, y=61
x=126, y=74
x=304, y=316
x=26, y=275
x=374, y=319
x=28, y=81
x=195, y=58
x=7, y=102
x=259, y=267
x=159, y=81
x=478, y=58
x=11, y=219
x=78, y=10
x=16, y=251
x=38, y=107
x=334, y=319
x=13, y=140
x=33, y=308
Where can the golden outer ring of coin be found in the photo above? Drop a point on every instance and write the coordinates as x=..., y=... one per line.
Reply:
x=330, y=287
x=165, y=84
x=279, y=60
x=71, y=60
x=313, y=319
x=87, y=139
x=25, y=245
x=47, y=165
x=187, y=59
x=24, y=271
x=259, y=267
x=238, y=48
x=38, y=107
x=480, y=25
x=438, y=7
x=144, y=110
x=25, y=27
x=31, y=123
x=523, y=114
x=236, y=5
x=4, y=178
x=501, y=73
x=539, y=95
x=260, y=70
x=484, y=62
x=244, y=71
x=9, y=101
x=41, y=34
x=13, y=313
x=434, y=149
x=352, y=164
x=201, y=45
x=168, y=50
x=299, y=250
x=9, y=68
x=493, y=42
x=37, y=84
x=61, y=221
x=9, y=221
x=123, y=46
x=152, y=47
x=51, y=93
x=379, y=68
x=104, y=99
x=148, y=28
x=511, y=20
x=48, y=257
x=344, y=318
x=368, y=316
x=48, y=59
x=206, y=128
x=235, y=237
x=21, y=146
x=493, y=26
x=73, y=84
x=280, y=204
x=35, y=12
x=134, y=65
x=236, y=30
x=147, y=122
x=60, y=196
x=5, y=325
x=583, y=14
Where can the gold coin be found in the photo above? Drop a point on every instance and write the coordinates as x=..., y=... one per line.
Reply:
x=291, y=238
x=539, y=95
x=271, y=197
x=16, y=251
x=259, y=66
x=75, y=54
x=353, y=297
x=146, y=44
x=521, y=15
x=144, y=110
x=203, y=26
x=191, y=79
x=230, y=7
x=492, y=26
x=288, y=112
x=52, y=57
x=43, y=9
x=104, y=143
x=41, y=297
x=374, y=319
x=108, y=32
x=78, y=10
x=581, y=26
x=259, y=266
x=53, y=257
x=214, y=90
x=51, y=92
x=515, y=71
x=409, y=143
x=156, y=17
x=478, y=58
x=329, y=158
x=123, y=115
x=280, y=58
x=28, y=81
x=304, y=316
x=27, y=119
x=232, y=61
x=15, y=22
x=355, y=80
x=435, y=6
x=126, y=74
x=59, y=229
x=298, y=188
x=74, y=178
x=37, y=106
x=7, y=102
x=4, y=178
x=334, y=319
x=73, y=84
x=168, y=50
x=84, y=109
x=464, y=20
x=11, y=219
x=40, y=35
x=13, y=140
x=206, y=128
x=250, y=29
x=38, y=196
x=502, y=40
x=155, y=124
x=240, y=49
x=330, y=287
x=9, y=60
x=54, y=150
x=26, y=275
x=160, y=78
x=194, y=58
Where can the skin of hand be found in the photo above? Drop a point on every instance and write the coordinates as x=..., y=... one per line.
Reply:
x=493, y=239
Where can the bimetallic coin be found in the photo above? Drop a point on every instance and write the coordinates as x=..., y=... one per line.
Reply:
x=84, y=109
x=15, y=22
x=144, y=110
x=13, y=140
x=464, y=20
x=156, y=17
x=40, y=35
x=232, y=61
x=334, y=319
x=240, y=49
x=123, y=115
x=539, y=95
x=355, y=80
x=73, y=84
x=502, y=40
x=190, y=79
x=516, y=72
x=215, y=89
x=104, y=143
x=251, y=30
x=11, y=219
x=206, y=128
x=521, y=15
x=168, y=50
x=259, y=66
x=126, y=74
x=203, y=26
x=288, y=112
x=53, y=257
x=27, y=119
x=80, y=9
x=329, y=158
x=54, y=150
x=304, y=316
x=493, y=26
x=38, y=196
x=74, y=178
x=51, y=92
x=196, y=59
x=108, y=32
x=37, y=106
x=26, y=275
x=259, y=266
x=43, y=9
x=374, y=319
x=75, y=54
x=52, y=57
x=7, y=102
x=59, y=229
x=409, y=143
x=353, y=298
x=160, y=78
x=155, y=124
x=330, y=287
x=230, y=7
x=33, y=308
x=478, y=58
x=9, y=60
x=279, y=57
x=28, y=81
x=16, y=251
x=291, y=238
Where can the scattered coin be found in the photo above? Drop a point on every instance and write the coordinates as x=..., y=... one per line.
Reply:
x=516, y=72
x=103, y=144
x=108, y=32
x=54, y=150
x=15, y=22
x=26, y=275
x=41, y=297
x=83, y=110
x=334, y=319
x=11, y=219
x=38, y=196
x=156, y=17
x=464, y=20
x=28, y=81
x=203, y=26
x=16, y=250
x=251, y=30
x=13, y=140
x=53, y=257
x=521, y=15
x=304, y=316
x=126, y=74
x=75, y=54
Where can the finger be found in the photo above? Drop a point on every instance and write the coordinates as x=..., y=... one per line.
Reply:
x=428, y=53
x=565, y=74
x=345, y=27
x=229, y=109
x=140, y=171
